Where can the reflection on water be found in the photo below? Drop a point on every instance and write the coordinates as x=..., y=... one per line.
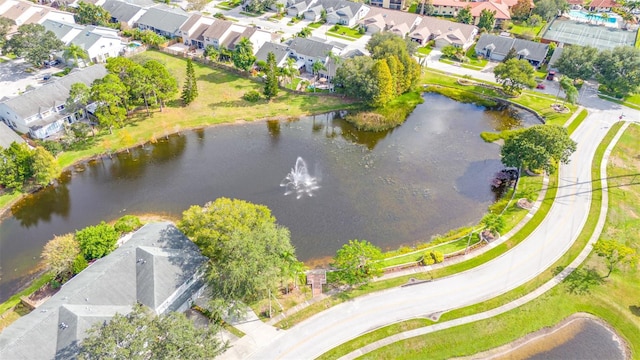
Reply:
x=579, y=338
x=425, y=177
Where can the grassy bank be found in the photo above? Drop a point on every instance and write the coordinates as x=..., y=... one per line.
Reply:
x=614, y=299
x=220, y=101
x=387, y=117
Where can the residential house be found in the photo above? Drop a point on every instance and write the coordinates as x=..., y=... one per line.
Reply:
x=124, y=13
x=24, y=12
x=389, y=4
x=41, y=112
x=342, y=12
x=333, y=63
x=497, y=47
x=163, y=20
x=158, y=267
x=99, y=42
x=399, y=22
x=298, y=9
x=8, y=136
x=452, y=7
x=602, y=5
x=280, y=51
x=309, y=51
x=223, y=33
x=444, y=33
x=192, y=31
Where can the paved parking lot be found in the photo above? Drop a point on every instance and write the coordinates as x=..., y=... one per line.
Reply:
x=14, y=79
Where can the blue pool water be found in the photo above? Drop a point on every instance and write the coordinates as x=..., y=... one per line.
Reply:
x=580, y=15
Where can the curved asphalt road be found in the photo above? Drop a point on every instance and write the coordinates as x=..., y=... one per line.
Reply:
x=539, y=251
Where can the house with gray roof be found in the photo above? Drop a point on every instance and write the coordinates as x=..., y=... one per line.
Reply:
x=124, y=13
x=158, y=267
x=309, y=51
x=226, y=34
x=497, y=47
x=193, y=30
x=298, y=8
x=99, y=42
x=41, y=112
x=8, y=136
x=341, y=12
x=281, y=53
x=163, y=20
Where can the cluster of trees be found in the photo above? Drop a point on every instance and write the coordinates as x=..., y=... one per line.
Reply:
x=617, y=70
x=128, y=84
x=389, y=72
x=250, y=254
x=90, y=14
x=147, y=37
x=143, y=335
x=258, y=6
x=67, y=255
x=34, y=43
x=538, y=147
x=20, y=164
x=486, y=20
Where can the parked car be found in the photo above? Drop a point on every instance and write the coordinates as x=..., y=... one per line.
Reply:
x=540, y=86
x=49, y=63
x=551, y=75
x=46, y=77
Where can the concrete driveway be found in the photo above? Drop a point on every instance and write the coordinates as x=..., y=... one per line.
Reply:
x=14, y=79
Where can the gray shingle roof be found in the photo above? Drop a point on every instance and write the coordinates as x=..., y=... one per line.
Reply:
x=537, y=51
x=7, y=136
x=280, y=51
x=340, y=5
x=110, y=285
x=120, y=10
x=164, y=19
x=55, y=92
x=60, y=29
x=309, y=47
x=217, y=29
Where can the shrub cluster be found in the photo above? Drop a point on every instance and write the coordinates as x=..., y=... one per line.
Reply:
x=432, y=257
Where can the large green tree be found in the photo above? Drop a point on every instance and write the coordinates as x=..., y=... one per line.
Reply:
x=570, y=91
x=164, y=85
x=90, y=14
x=464, y=15
x=271, y=82
x=577, y=61
x=515, y=75
x=354, y=75
x=242, y=56
x=248, y=250
x=615, y=253
x=619, y=70
x=60, y=253
x=34, y=43
x=5, y=27
x=521, y=10
x=111, y=95
x=79, y=97
x=97, y=241
x=16, y=165
x=384, y=82
x=538, y=147
x=142, y=335
x=190, y=87
x=357, y=262
x=549, y=9
x=45, y=166
x=487, y=20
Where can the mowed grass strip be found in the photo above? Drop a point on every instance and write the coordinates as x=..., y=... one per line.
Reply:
x=615, y=300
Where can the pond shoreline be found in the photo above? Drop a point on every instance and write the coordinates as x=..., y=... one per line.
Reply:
x=506, y=350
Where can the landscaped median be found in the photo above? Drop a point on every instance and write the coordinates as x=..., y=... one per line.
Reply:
x=578, y=293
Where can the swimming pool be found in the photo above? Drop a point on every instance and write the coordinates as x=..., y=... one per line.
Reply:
x=596, y=17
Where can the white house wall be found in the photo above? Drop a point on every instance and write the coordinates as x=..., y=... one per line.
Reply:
x=105, y=48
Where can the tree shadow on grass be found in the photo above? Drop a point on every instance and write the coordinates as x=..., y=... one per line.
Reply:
x=580, y=281
x=635, y=310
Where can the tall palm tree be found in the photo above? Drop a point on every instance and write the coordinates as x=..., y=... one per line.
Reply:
x=290, y=69
x=74, y=51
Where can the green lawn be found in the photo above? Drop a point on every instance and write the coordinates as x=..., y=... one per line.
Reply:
x=315, y=25
x=223, y=105
x=424, y=50
x=615, y=300
x=577, y=121
x=519, y=28
x=343, y=31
